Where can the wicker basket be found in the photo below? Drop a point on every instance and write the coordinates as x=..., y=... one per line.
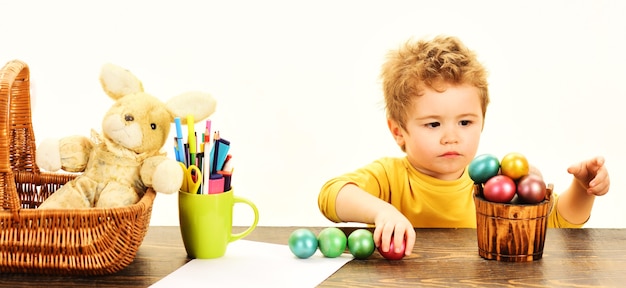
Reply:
x=92, y=241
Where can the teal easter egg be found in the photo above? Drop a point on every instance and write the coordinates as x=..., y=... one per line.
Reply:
x=303, y=243
x=483, y=167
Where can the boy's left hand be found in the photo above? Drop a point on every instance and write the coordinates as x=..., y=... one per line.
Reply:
x=592, y=175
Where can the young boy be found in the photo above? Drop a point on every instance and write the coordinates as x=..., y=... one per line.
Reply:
x=436, y=96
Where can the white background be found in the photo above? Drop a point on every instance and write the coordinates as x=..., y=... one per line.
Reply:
x=298, y=89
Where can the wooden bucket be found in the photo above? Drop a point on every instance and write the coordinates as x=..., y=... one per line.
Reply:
x=511, y=232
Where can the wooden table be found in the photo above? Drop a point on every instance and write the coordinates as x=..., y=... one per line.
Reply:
x=441, y=258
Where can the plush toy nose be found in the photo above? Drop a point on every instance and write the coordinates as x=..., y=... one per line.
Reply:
x=129, y=118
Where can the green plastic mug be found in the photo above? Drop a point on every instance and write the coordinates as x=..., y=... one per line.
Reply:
x=206, y=222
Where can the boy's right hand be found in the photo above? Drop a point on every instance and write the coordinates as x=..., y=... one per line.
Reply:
x=392, y=223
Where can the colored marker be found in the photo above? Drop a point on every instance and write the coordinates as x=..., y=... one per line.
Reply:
x=191, y=139
x=216, y=184
x=179, y=140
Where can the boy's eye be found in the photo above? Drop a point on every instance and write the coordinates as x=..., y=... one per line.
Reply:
x=433, y=124
x=465, y=122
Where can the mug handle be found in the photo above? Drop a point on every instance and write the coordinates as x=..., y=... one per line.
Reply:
x=245, y=233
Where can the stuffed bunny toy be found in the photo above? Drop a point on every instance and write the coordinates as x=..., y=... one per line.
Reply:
x=118, y=165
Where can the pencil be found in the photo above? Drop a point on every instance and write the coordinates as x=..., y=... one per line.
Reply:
x=191, y=139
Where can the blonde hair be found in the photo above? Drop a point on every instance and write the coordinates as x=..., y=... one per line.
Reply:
x=420, y=64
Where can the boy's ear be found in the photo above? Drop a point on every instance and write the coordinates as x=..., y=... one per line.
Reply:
x=396, y=131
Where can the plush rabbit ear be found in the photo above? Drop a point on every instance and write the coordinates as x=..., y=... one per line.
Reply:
x=199, y=104
x=118, y=82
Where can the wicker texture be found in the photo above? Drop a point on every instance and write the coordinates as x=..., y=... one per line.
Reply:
x=93, y=241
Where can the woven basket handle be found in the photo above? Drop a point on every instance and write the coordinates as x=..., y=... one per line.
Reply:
x=17, y=139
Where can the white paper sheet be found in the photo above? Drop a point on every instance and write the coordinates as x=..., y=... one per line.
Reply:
x=255, y=264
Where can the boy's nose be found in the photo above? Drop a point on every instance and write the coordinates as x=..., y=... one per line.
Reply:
x=449, y=141
x=449, y=137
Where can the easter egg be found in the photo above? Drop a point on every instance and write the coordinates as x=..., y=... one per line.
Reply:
x=531, y=189
x=361, y=243
x=499, y=188
x=391, y=254
x=302, y=243
x=514, y=165
x=332, y=242
x=483, y=167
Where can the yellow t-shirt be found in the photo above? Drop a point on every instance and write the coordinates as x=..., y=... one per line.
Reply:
x=426, y=201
